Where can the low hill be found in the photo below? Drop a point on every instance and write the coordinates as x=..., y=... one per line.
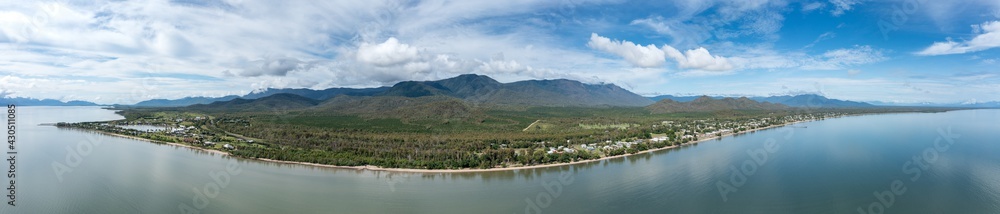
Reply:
x=707, y=104
x=269, y=103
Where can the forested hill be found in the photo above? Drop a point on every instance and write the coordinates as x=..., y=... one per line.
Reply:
x=708, y=104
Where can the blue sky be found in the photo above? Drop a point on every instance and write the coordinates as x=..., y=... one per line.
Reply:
x=904, y=51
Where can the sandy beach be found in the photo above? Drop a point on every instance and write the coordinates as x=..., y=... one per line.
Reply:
x=376, y=168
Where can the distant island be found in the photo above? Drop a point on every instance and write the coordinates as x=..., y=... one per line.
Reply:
x=464, y=123
x=24, y=101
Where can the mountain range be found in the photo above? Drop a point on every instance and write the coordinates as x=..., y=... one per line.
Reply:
x=471, y=88
x=479, y=89
x=21, y=101
x=708, y=104
x=482, y=90
x=803, y=100
x=273, y=102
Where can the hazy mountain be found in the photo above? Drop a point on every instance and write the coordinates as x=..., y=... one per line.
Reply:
x=485, y=90
x=708, y=104
x=183, y=101
x=681, y=98
x=316, y=94
x=308, y=93
x=268, y=103
x=994, y=104
x=804, y=100
x=811, y=100
x=22, y=101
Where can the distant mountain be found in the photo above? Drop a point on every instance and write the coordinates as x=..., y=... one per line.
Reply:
x=681, y=98
x=21, y=101
x=273, y=102
x=994, y=104
x=183, y=101
x=812, y=100
x=708, y=104
x=804, y=100
x=317, y=94
x=308, y=93
x=479, y=89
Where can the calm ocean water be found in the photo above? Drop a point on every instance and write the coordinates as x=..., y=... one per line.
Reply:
x=935, y=162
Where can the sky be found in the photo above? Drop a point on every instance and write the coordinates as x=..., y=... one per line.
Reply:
x=123, y=52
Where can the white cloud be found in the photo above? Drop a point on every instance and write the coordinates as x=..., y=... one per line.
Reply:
x=853, y=56
x=697, y=22
x=820, y=38
x=650, y=56
x=503, y=67
x=679, y=32
x=388, y=53
x=841, y=6
x=836, y=59
x=272, y=66
x=641, y=56
x=812, y=6
x=988, y=37
x=698, y=58
x=251, y=44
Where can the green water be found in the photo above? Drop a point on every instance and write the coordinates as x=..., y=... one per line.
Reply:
x=831, y=166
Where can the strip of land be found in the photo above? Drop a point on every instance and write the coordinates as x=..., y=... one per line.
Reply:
x=376, y=168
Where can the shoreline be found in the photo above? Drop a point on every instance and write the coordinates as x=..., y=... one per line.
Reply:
x=409, y=170
x=159, y=142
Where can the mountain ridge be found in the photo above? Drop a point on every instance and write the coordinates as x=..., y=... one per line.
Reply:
x=801, y=100
x=708, y=104
x=24, y=101
x=481, y=89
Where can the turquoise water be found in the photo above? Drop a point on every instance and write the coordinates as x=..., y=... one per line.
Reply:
x=831, y=166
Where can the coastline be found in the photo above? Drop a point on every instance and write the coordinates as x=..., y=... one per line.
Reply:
x=409, y=170
x=160, y=142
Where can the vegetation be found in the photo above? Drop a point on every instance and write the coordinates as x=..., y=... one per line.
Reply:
x=487, y=138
